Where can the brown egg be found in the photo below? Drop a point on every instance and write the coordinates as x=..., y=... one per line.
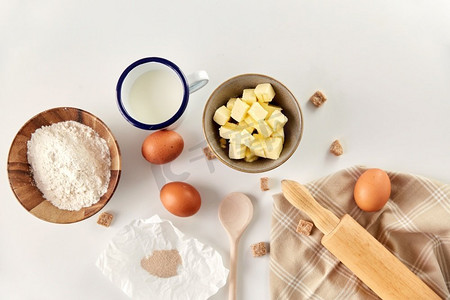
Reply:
x=180, y=198
x=372, y=190
x=162, y=146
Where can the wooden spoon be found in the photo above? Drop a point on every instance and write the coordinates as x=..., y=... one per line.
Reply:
x=235, y=213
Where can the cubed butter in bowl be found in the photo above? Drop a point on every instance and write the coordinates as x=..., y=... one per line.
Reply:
x=259, y=119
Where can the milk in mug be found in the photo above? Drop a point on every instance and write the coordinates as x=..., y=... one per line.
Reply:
x=153, y=93
x=156, y=96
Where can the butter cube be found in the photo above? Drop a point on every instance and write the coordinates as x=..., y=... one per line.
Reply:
x=250, y=156
x=261, y=126
x=249, y=96
x=223, y=143
x=230, y=103
x=236, y=151
x=270, y=108
x=258, y=136
x=244, y=138
x=222, y=115
x=264, y=129
x=257, y=112
x=257, y=146
x=264, y=92
x=243, y=124
x=279, y=133
x=227, y=130
x=239, y=110
x=277, y=120
x=273, y=147
x=250, y=122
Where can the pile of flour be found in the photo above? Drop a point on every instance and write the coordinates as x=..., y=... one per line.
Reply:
x=70, y=164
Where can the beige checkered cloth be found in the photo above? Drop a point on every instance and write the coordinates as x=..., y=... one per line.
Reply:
x=414, y=225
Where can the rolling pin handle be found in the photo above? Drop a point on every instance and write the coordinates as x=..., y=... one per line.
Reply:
x=299, y=196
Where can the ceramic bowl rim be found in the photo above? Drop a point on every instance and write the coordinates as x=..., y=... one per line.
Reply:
x=276, y=163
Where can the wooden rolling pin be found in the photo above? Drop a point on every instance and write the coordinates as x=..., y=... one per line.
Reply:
x=357, y=249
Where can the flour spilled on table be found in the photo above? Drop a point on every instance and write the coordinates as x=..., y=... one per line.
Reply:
x=70, y=163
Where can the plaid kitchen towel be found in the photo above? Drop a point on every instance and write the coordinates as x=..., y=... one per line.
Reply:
x=414, y=225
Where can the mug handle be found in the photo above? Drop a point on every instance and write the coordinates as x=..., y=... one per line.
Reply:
x=197, y=80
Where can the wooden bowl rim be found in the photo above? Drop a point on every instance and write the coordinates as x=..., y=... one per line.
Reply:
x=115, y=173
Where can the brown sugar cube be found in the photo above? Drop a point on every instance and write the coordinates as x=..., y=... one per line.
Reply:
x=259, y=249
x=208, y=153
x=264, y=182
x=318, y=98
x=304, y=227
x=336, y=148
x=105, y=219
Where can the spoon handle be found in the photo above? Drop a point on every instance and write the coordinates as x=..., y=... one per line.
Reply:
x=233, y=269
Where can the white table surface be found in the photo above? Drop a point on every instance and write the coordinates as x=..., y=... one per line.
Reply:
x=384, y=65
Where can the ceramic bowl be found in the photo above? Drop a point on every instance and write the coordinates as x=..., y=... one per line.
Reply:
x=233, y=88
x=21, y=177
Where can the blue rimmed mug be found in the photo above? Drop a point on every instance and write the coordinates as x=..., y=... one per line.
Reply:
x=153, y=93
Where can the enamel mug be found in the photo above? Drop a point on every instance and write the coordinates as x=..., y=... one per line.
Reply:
x=153, y=93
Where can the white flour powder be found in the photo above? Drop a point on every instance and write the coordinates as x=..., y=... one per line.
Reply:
x=70, y=164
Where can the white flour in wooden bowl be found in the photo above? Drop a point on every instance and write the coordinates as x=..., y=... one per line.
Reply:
x=70, y=164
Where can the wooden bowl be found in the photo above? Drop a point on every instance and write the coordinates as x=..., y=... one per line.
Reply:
x=21, y=178
x=232, y=88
